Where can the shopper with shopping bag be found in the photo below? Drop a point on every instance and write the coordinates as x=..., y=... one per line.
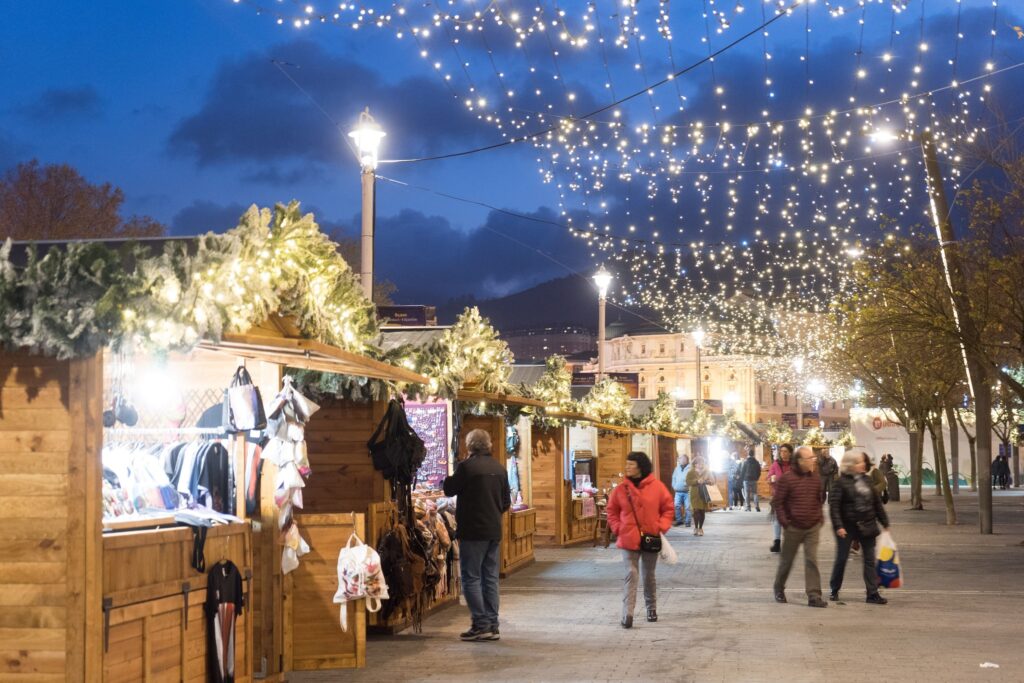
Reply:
x=639, y=512
x=856, y=510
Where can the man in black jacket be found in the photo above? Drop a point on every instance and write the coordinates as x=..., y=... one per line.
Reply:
x=481, y=484
x=750, y=473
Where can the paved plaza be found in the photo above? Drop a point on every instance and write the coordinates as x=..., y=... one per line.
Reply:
x=963, y=607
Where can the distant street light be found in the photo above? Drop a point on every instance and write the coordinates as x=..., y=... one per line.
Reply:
x=698, y=340
x=603, y=280
x=367, y=136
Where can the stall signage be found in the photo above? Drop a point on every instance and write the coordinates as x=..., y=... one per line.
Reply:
x=789, y=419
x=588, y=379
x=406, y=316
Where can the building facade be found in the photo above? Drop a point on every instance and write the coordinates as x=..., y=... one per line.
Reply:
x=669, y=362
x=536, y=344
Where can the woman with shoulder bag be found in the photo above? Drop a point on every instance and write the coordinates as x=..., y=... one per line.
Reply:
x=856, y=510
x=698, y=479
x=639, y=511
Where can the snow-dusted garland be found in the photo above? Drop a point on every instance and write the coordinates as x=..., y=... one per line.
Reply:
x=73, y=301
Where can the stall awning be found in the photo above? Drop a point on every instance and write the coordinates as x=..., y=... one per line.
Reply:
x=504, y=399
x=309, y=354
x=749, y=431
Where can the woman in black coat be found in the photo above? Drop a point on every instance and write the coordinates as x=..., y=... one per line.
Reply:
x=856, y=511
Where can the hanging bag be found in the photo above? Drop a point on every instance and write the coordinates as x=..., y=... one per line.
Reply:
x=649, y=543
x=397, y=451
x=359, y=577
x=243, y=406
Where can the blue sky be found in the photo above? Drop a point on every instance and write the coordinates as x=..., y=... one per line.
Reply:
x=180, y=104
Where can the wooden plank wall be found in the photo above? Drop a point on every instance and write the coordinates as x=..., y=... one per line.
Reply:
x=547, y=460
x=314, y=637
x=666, y=459
x=612, y=448
x=343, y=478
x=49, y=518
x=150, y=639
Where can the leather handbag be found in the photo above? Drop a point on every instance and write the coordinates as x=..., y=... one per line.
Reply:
x=649, y=543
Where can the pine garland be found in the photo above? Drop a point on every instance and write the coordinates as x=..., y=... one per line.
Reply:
x=74, y=301
x=729, y=429
x=815, y=438
x=469, y=352
x=609, y=402
x=663, y=415
x=777, y=433
x=700, y=422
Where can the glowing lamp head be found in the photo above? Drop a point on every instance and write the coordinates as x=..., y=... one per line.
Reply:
x=798, y=364
x=698, y=337
x=884, y=136
x=367, y=136
x=816, y=387
x=603, y=280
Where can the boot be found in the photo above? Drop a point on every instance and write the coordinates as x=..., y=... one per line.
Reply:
x=627, y=622
x=652, y=614
x=776, y=546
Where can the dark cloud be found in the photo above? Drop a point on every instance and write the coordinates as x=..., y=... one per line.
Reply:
x=278, y=176
x=253, y=113
x=202, y=216
x=61, y=104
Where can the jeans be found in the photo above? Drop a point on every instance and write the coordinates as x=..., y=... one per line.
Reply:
x=682, y=504
x=750, y=487
x=478, y=561
x=867, y=550
x=777, y=528
x=792, y=539
x=634, y=560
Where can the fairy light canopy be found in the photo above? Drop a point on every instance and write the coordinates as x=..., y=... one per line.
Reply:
x=730, y=162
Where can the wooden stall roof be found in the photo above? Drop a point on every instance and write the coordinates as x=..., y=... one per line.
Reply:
x=276, y=342
x=504, y=399
x=672, y=435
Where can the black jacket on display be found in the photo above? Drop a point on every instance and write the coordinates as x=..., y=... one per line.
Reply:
x=853, y=505
x=481, y=484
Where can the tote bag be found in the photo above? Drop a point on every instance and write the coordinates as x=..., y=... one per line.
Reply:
x=243, y=406
x=359, y=577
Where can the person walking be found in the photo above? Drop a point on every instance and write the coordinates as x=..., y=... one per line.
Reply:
x=829, y=470
x=798, y=506
x=892, y=480
x=641, y=504
x=481, y=484
x=878, y=482
x=781, y=465
x=734, y=482
x=698, y=479
x=682, y=492
x=750, y=473
x=856, y=510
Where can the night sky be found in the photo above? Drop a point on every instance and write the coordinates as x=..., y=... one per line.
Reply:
x=199, y=108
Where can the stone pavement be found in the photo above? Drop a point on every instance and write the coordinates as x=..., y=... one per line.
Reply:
x=963, y=606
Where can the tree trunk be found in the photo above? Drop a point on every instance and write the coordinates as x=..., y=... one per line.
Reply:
x=1016, y=465
x=972, y=443
x=916, y=462
x=941, y=472
x=954, y=449
x=983, y=415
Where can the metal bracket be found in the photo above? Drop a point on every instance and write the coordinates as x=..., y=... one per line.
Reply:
x=108, y=604
x=248, y=588
x=186, y=588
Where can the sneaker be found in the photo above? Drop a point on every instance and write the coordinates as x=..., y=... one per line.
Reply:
x=652, y=614
x=757, y=509
x=780, y=596
x=627, y=622
x=776, y=546
x=876, y=599
x=475, y=634
x=816, y=602
x=688, y=525
x=833, y=596
x=490, y=635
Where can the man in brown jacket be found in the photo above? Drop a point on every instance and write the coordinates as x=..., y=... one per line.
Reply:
x=798, y=499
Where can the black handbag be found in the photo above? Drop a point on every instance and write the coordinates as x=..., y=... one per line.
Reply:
x=397, y=451
x=648, y=542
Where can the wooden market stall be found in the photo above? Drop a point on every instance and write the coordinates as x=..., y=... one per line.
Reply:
x=520, y=526
x=118, y=599
x=565, y=473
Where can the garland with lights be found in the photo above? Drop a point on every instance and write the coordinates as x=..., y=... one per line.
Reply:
x=777, y=434
x=846, y=439
x=609, y=402
x=729, y=429
x=815, y=438
x=74, y=301
x=663, y=415
x=700, y=422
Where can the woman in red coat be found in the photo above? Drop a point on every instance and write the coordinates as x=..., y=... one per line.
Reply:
x=639, y=498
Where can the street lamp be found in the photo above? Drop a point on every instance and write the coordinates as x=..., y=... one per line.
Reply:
x=798, y=365
x=698, y=339
x=603, y=279
x=367, y=136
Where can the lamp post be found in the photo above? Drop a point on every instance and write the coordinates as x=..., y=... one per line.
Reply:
x=603, y=279
x=798, y=365
x=367, y=136
x=698, y=339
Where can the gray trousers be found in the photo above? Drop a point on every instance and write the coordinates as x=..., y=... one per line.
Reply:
x=792, y=539
x=634, y=560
